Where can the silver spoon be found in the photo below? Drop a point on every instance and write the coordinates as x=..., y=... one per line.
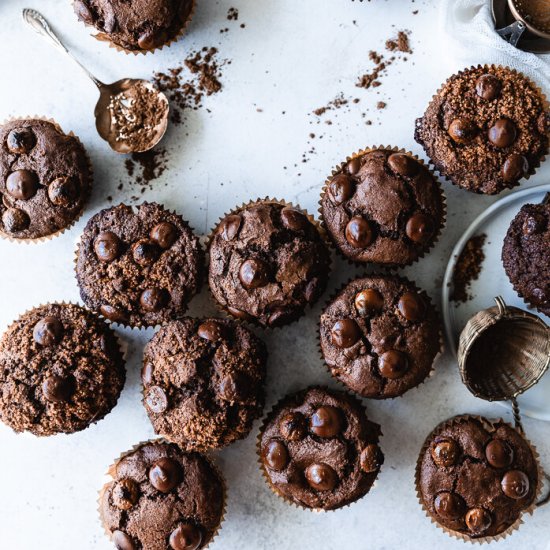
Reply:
x=106, y=93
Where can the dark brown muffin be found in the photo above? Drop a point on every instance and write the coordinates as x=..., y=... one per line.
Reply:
x=319, y=450
x=267, y=263
x=203, y=381
x=45, y=179
x=380, y=336
x=476, y=477
x=140, y=265
x=162, y=497
x=485, y=129
x=526, y=255
x=61, y=370
x=383, y=207
x=137, y=25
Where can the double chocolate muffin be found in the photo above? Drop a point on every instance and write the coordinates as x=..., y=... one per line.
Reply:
x=136, y=25
x=160, y=498
x=140, y=265
x=45, y=179
x=203, y=381
x=380, y=335
x=383, y=207
x=485, y=129
x=475, y=477
x=318, y=449
x=61, y=370
x=267, y=263
x=526, y=255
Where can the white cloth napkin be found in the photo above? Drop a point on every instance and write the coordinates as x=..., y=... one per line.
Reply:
x=468, y=32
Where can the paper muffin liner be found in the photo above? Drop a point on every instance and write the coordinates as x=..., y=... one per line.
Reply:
x=249, y=320
x=268, y=418
x=144, y=326
x=339, y=169
x=487, y=423
x=417, y=289
x=85, y=198
x=546, y=106
x=111, y=472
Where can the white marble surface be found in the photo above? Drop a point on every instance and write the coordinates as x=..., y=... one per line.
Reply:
x=292, y=57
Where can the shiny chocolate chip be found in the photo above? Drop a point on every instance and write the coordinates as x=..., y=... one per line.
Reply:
x=478, y=520
x=345, y=333
x=58, y=389
x=371, y=458
x=340, y=189
x=445, y=452
x=22, y=184
x=20, y=141
x=185, y=537
x=412, y=306
x=48, y=331
x=212, y=330
x=235, y=387
x=15, y=220
x=254, y=273
x=156, y=399
x=280, y=316
x=125, y=494
x=488, y=87
x=403, y=164
x=293, y=426
x=515, y=484
x=393, y=364
x=462, y=130
x=321, y=477
x=326, y=421
x=147, y=373
x=107, y=246
x=534, y=223
x=514, y=168
x=420, y=228
x=113, y=314
x=368, y=301
x=359, y=233
x=164, y=234
x=499, y=454
x=165, y=474
x=63, y=191
x=354, y=165
x=229, y=227
x=449, y=505
x=153, y=299
x=276, y=455
x=122, y=541
x=150, y=39
x=294, y=219
x=145, y=252
x=502, y=133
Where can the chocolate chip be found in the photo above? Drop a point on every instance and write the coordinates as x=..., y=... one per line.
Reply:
x=145, y=252
x=151, y=39
x=15, y=220
x=503, y=133
x=478, y=520
x=58, y=389
x=515, y=484
x=238, y=313
x=109, y=19
x=354, y=165
x=445, y=453
x=368, y=301
x=358, y=232
x=107, y=246
x=254, y=273
x=20, y=141
x=276, y=455
x=321, y=477
x=326, y=421
x=449, y=505
x=164, y=234
x=420, y=228
x=125, y=494
x=280, y=316
x=340, y=189
x=514, y=168
x=345, y=333
x=393, y=364
x=153, y=299
x=22, y=184
x=294, y=219
x=156, y=399
x=499, y=454
x=293, y=426
x=235, y=387
x=48, y=331
x=147, y=373
x=113, y=314
x=63, y=191
x=462, y=130
x=412, y=306
x=229, y=227
x=185, y=537
x=403, y=164
x=488, y=87
x=371, y=458
x=211, y=330
x=165, y=474
x=122, y=541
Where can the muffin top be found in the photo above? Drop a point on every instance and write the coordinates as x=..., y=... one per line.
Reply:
x=526, y=255
x=162, y=497
x=485, y=129
x=319, y=450
x=476, y=477
x=45, y=179
x=135, y=24
x=61, y=370
x=203, y=381
x=380, y=335
x=140, y=265
x=267, y=263
x=383, y=207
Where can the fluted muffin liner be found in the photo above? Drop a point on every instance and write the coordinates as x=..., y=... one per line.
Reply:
x=143, y=326
x=546, y=104
x=111, y=472
x=487, y=423
x=403, y=279
x=338, y=169
x=85, y=197
x=267, y=419
x=250, y=321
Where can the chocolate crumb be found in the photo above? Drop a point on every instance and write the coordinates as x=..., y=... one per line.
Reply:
x=468, y=268
x=381, y=105
x=233, y=14
x=151, y=165
x=401, y=43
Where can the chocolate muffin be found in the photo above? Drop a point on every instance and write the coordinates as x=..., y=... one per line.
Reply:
x=267, y=263
x=140, y=265
x=485, y=129
x=475, y=477
x=136, y=25
x=203, y=381
x=526, y=255
x=61, y=370
x=162, y=497
x=383, y=207
x=318, y=449
x=380, y=335
x=45, y=179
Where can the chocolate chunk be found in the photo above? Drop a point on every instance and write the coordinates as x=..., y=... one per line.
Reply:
x=254, y=273
x=156, y=399
x=321, y=477
x=326, y=422
x=185, y=537
x=368, y=301
x=63, y=191
x=276, y=455
x=48, y=331
x=412, y=307
x=164, y=234
x=345, y=333
x=358, y=232
x=515, y=484
x=514, y=168
x=371, y=458
x=340, y=189
x=294, y=219
x=212, y=331
x=107, y=246
x=445, y=453
x=393, y=364
x=20, y=141
x=165, y=474
x=293, y=426
x=125, y=494
x=420, y=228
x=478, y=520
x=229, y=227
x=449, y=505
x=145, y=253
x=153, y=299
x=403, y=165
x=15, y=220
x=488, y=87
x=58, y=389
x=22, y=184
x=499, y=454
x=503, y=133
x=462, y=130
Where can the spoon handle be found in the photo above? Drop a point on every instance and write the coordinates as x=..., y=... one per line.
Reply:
x=41, y=26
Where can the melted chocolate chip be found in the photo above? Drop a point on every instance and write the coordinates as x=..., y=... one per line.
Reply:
x=107, y=246
x=488, y=87
x=164, y=234
x=412, y=307
x=145, y=252
x=293, y=219
x=15, y=220
x=229, y=227
x=393, y=364
x=515, y=484
x=212, y=331
x=293, y=426
x=403, y=165
x=445, y=453
x=449, y=505
x=420, y=228
x=371, y=458
x=185, y=537
x=321, y=477
x=326, y=421
x=22, y=184
x=156, y=399
x=499, y=454
x=58, y=389
x=63, y=191
x=462, y=130
x=503, y=133
x=122, y=541
x=368, y=301
x=48, y=331
x=478, y=520
x=358, y=232
x=341, y=189
x=254, y=273
x=125, y=494
x=345, y=333
x=153, y=299
x=276, y=455
x=113, y=314
x=354, y=165
x=514, y=168
x=165, y=474
x=20, y=141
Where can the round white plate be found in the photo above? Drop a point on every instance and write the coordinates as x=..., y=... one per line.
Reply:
x=493, y=282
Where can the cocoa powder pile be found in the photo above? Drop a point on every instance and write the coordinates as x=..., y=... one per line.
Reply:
x=468, y=268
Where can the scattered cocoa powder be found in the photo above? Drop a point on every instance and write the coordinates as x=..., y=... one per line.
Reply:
x=144, y=168
x=468, y=268
x=401, y=43
x=233, y=14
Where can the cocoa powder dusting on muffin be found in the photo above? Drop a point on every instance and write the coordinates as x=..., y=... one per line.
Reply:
x=468, y=268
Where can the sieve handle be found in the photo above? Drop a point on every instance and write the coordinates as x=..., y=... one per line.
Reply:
x=512, y=33
x=502, y=307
